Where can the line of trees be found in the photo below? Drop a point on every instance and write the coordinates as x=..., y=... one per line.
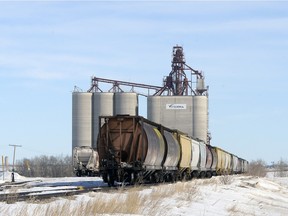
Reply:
x=61, y=166
x=260, y=168
x=281, y=168
x=46, y=166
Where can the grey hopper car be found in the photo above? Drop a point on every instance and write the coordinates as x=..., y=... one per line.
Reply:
x=85, y=161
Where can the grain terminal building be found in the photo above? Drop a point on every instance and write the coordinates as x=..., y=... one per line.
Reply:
x=176, y=105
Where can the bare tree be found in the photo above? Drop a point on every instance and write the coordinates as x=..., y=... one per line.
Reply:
x=44, y=166
x=281, y=169
x=257, y=168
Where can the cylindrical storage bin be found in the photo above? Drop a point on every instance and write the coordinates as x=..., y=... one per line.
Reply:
x=200, y=128
x=81, y=119
x=154, y=109
x=102, y=106
x=200, y=85
x=125, y=103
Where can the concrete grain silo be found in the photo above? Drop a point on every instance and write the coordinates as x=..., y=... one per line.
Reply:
x=102, y=106
x=125, y=103
x=81, y=119
x=200, y=118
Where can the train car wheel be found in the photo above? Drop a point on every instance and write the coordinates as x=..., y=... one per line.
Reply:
x=209, y=175
x=104, y=177
x=174, y=178
x=110, y=179
x=186, y=176
x=202, y=175
x=132, y=178
x=161, y=178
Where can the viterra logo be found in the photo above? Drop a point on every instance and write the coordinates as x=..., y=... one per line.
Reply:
x=175, y=106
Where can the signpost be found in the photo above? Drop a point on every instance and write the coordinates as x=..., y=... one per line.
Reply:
x=12, y=175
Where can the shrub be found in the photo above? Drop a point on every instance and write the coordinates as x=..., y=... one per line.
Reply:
x=281, y=169
x=225, y=179
x=257, y=168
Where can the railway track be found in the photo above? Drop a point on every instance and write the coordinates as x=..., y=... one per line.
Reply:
x=21, y=191
x=11, y=197
x=11, y=192
x=40, y=195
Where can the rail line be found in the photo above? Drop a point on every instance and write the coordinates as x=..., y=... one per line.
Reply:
x=11, y=197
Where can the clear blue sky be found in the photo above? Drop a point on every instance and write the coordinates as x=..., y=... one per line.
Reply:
x=48, y=47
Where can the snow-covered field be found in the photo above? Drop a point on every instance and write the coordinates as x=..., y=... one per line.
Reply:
x=222, y=195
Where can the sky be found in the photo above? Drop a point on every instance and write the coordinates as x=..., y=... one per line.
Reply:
x=48, y=47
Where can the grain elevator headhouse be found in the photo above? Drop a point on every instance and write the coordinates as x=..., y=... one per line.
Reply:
x=182, y=102
x=177, y=80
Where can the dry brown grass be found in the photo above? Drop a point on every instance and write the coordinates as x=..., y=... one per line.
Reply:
x=257, y=168
x=132, y=201
x=12, y=196
x=236, y=210
x=233, y=210
x=186, y=191
x=226, y=179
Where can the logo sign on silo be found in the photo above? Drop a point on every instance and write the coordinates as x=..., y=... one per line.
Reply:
x=176, y=106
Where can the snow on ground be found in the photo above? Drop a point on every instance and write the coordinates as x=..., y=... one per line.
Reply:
x=6, y=177
x=244, y=196
x=44, y=184
x=222, y=195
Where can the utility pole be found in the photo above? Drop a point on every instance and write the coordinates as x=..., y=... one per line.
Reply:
x=13, y=179
x=3, y=166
